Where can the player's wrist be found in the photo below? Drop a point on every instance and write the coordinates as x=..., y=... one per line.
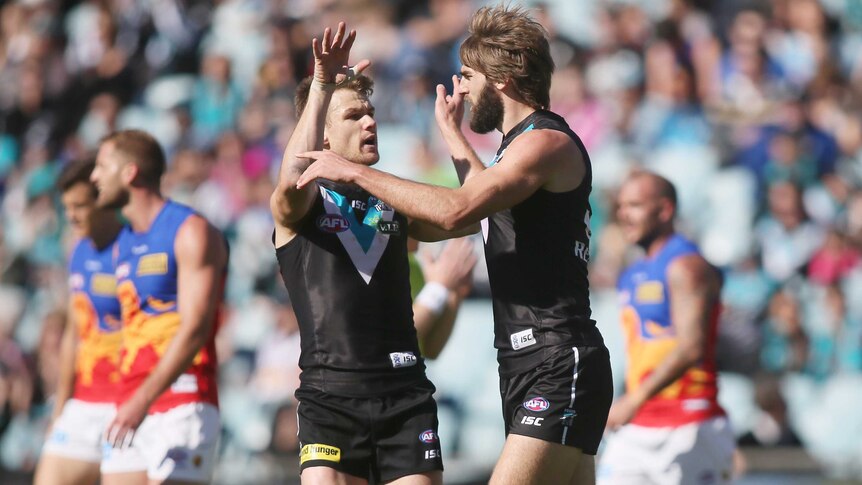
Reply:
x=322, y=81
x=323, y=86
x=433, y=296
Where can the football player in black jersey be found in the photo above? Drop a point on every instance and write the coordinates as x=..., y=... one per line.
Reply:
x=554, y=367
x=366, y=411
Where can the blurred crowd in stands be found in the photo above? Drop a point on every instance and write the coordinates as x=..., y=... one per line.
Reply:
x=752, y=108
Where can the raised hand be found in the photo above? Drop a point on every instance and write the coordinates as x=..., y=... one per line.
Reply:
x=449, y=109
x=331, y=55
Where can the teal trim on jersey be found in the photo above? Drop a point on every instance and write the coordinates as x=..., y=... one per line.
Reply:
x=498, y=157
x=364, y=233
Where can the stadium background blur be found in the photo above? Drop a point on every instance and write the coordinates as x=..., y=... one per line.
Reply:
x=753, y=109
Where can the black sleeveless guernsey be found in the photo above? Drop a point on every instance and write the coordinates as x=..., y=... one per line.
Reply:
x=537, y=254
x=347, y=276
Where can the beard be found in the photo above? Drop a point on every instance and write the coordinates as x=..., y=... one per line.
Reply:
x=118, y=201
x=487, y=114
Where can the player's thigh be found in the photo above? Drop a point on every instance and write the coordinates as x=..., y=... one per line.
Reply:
x=429, y=478
x=585, y=472
x=324, y=475
x=58, y=470
x=526, y=461
x=124, y=478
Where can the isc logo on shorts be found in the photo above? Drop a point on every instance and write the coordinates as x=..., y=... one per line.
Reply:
x=333, y=223
x=319, y=452
x=522, y=339
x=402, y=359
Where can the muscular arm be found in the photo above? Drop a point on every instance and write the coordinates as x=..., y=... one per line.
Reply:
x=694, y=289
x=289, y=204
x=536, y=159
x=425, y=232
x=201, y=257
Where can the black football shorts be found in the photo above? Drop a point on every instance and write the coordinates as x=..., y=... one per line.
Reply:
x=377, y=438
x=565, y=400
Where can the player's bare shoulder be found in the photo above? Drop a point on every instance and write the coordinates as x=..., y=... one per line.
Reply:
x=554, y=154
x=693, y=270
x=197, y=237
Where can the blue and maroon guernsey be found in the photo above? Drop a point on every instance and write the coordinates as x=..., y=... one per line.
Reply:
x=147, y=290
x=650, y=337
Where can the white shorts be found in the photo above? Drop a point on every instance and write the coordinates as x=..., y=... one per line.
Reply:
x=698, y=453
x=178, y=444
x=77, y=432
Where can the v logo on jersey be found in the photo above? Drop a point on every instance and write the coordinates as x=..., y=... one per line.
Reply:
x=364, y=244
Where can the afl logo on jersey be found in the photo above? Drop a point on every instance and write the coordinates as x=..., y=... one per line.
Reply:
x=332, y=223
x=537, y=404
x=428, y=436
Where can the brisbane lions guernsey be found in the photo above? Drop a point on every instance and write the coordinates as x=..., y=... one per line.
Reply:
x=96, y=312
x=537, y=254
x=347, y=275
x=650, y=337
x=147, y=290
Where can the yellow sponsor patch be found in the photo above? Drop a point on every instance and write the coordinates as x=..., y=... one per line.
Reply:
x=650, y=292
x=319, y=452
x=103, y=284
x=153, y=264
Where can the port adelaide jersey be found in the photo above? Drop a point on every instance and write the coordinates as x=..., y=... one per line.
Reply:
x=347, y=275
x=537, y=254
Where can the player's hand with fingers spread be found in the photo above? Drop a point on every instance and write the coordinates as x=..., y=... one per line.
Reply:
x=331, y=56
x=328, y=165
x=449, y=109
x=130, y=414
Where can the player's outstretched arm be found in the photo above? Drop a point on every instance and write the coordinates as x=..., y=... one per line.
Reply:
x=201, y=256
x=531, y=162
x=288, y=203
